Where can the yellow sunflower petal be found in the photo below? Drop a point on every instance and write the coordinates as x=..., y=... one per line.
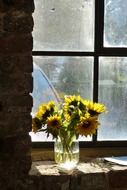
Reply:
x=34, y=127
x=95, y=108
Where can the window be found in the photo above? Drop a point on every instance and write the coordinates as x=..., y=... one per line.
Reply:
x=81, y=46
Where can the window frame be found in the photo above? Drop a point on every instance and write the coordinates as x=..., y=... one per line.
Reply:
x=98, y=148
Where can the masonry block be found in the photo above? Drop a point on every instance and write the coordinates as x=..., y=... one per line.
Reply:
x=12, y=125
x=21, y=103
x=18, y=23
x=16, y=44
x=15, y=173
x=118, y=179
x=16, y=64
x=16, y=5
x=14, y=84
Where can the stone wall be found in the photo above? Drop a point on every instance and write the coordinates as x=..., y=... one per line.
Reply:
x=92, y=175
x=16, y=24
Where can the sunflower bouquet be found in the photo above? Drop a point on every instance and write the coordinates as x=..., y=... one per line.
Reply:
x=73, y=117
x=65, y=122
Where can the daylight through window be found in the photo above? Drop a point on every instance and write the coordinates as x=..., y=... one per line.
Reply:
x=80, y=48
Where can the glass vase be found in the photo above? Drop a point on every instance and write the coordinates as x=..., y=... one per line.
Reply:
x=66, y=154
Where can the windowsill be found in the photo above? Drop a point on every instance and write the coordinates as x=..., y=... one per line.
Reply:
x=93, y=175
x=88, y=167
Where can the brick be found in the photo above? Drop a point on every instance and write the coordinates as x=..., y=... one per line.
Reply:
x=60, y=183
x=14, y=5
x=118, y=179
x=21, y=23
x=1, y=23
x=96, y=181
x=18, y=146
x=21, y=84
x=22, y=145
x=16, y=101
x=16, y=64
x=34, y=183
x=19, y=109
x=75, y=182
x=16, y=44
x=14, y=124
x=14, y=171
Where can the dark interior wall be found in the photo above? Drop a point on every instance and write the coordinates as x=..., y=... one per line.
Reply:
x=16, y=25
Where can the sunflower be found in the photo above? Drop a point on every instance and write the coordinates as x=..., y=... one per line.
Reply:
x=51, y=105
x=41, y=111
x=94, y=109
x=54, y=122
x=72, y=101
x=87, y=126
x=53, y=125
x=45, y=110
x=72, y=105
x=36, y=124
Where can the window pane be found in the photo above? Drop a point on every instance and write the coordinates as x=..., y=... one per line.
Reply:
x=60, y=76
x=115, y=23
x=113, y=92
x=63, y=25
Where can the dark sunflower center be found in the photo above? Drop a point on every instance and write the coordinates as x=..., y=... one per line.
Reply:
x=74, y=103
x=46, y=114
x=92, y=112
x=86, y=124
x=55, y=122
x=82, y=106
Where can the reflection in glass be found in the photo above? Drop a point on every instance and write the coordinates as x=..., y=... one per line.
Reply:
x=113, y=92
x=115, y=23
x=43, y=89
x=63, y=25
x=69, y=75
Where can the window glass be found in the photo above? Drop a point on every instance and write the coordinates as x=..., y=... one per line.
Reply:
x=63, y=25
x=68, y=75
x=43, y=89
x=115, y=23
x=57, y=76
x=113, y=92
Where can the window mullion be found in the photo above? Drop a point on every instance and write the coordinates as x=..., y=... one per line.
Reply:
x=62, y=53
x=95, y=85
x=99, y=26
x=98, y=44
